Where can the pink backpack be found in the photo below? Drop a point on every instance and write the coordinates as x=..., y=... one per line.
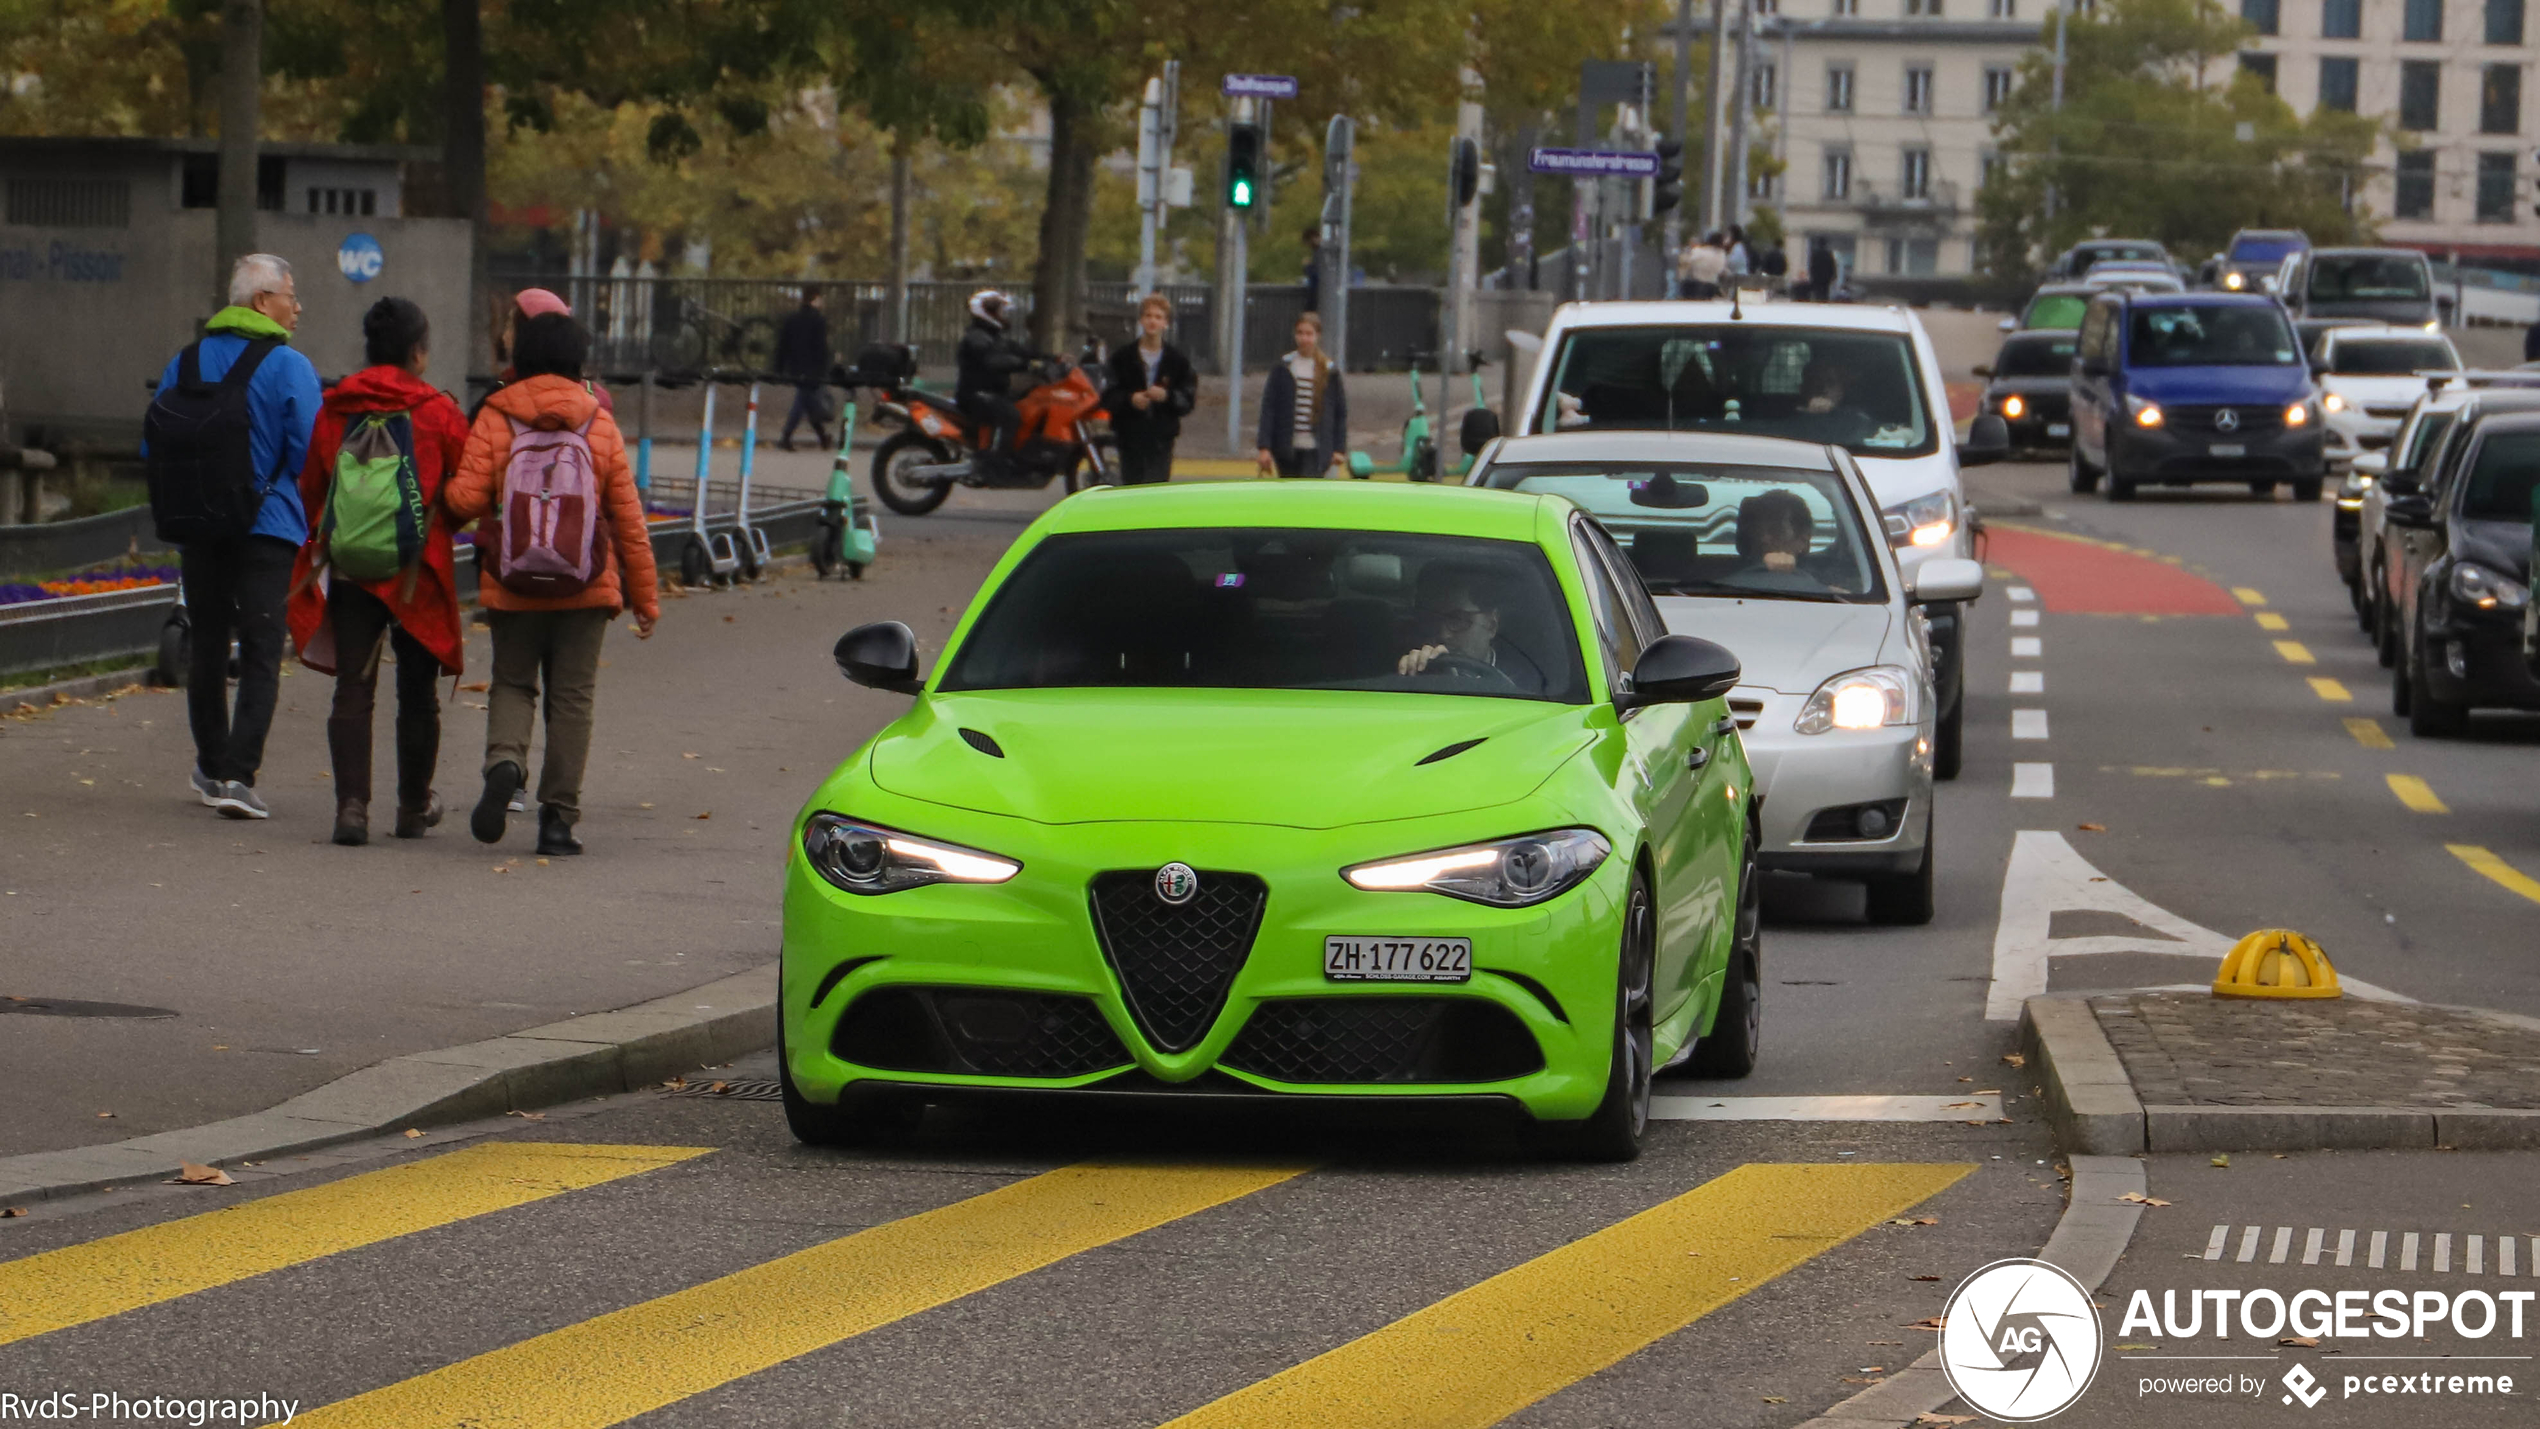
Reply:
x=550, y=512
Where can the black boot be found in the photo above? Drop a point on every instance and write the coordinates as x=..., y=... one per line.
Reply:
x=555, y=832
x=501, y=782
x=352, y=822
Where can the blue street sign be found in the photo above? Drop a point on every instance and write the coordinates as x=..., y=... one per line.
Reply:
x=1594, y=163
x=359, y=258
x=1261, y=86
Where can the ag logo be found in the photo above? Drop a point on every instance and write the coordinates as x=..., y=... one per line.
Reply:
x=1176, y=884
x=2226, y=420
x=2021, y=1340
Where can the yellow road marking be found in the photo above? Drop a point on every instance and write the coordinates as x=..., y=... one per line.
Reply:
x=81, y=1283
x=628, y=1362
x=2330, y=690
x=2497, y=869
x=2246, y=596
x=2269, y=620
x=2416, y=794
x=2295, y=652
x=1485, y=1353
x=2369, y=733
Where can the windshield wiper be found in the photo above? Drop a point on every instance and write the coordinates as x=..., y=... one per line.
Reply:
x=1747, y=592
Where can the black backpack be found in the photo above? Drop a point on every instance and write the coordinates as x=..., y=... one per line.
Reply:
x=203, y=482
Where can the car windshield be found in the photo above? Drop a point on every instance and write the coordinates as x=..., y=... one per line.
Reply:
x=2217, y=336
x=2500, y=485
x=2429, y=431
x=2090, y=253
x=1252, y=608
x=1858, y=390
x=1698, y=528
x=2035, y=357
x=2391, y=357
x=2369, y=276
x=2056, y=310
x=2268, y=248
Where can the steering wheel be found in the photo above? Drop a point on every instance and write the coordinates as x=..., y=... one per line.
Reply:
x=1465, y=667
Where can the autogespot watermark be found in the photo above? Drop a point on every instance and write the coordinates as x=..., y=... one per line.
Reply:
x=64, y=1406
x=2321, y=1317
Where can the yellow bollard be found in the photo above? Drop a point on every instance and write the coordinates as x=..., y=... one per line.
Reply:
x=2276, y=962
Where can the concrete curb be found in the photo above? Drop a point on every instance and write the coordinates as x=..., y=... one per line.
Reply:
x=86, y=687
x=2088, y=1241
x=2092, y=1106
x=598, y=1055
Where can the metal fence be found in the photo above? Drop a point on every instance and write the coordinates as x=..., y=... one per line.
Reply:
x=672, y=326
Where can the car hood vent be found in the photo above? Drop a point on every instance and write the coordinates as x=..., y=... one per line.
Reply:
x=1449, y=752
x=983, y=744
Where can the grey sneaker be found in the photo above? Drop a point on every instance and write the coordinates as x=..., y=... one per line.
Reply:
x=206, y=788
x=238, y=801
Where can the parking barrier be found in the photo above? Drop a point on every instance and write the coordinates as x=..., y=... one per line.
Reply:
x=2276, y=962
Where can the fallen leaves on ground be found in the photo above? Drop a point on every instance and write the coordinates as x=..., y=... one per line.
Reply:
x=2140, y=1199
x=528, y=1115
x=675, y=1084
x=190, y=1174
x=412, y=1133
x=11, y=1213
x=685, y=754
x=476, y=687
x=2092, y=828
x=1922, y=1277
x=1944, y=1419
x=2135, y=1347
x=1955, y=1105
x=1934, y=1322
x=1916, y=1221
x=1776, y=1399
x=718, y=1089
x=104, y=1114
x=2308, y=1342
x=2223, y=1161
x=708, y=814
x=2014, y=1059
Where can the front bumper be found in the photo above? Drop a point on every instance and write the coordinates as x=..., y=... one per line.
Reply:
x=1010, y=986
x=2355, y=431
x=2167, y=457
x=2477, y=660
x=1811, y=783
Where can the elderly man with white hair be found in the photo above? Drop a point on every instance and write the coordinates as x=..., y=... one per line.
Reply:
x=229, y=500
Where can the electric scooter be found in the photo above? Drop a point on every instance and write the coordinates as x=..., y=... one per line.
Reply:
x=749, y=542
x=1419, y=458
x=847, y=530
x=708, y=556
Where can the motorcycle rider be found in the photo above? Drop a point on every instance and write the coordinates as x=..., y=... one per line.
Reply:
x=988, y=358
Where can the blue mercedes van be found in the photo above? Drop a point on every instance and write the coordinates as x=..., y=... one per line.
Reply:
x=2171, y=389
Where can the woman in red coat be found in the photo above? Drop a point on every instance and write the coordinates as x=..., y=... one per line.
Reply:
x=344, y=626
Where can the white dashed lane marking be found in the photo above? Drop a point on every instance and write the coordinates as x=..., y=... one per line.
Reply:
x=2315, y=1244
x=2028, y=724
x=2032, y=781
x=2028, y=682
x=2027, y=647
x=2023, y=618
x=2021, y=595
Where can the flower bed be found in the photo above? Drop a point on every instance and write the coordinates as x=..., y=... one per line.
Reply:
x=89, y=582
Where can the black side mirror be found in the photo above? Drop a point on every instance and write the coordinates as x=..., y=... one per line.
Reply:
x=882, y=655
x=1988, y=441
x=1679, y=669
x=2414, y=510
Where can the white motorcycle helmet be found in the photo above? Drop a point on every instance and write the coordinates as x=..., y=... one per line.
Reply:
x=989, y=305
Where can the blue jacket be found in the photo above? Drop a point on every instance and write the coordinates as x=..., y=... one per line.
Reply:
x=283, y=399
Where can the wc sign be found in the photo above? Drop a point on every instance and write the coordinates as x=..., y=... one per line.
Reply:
x=360, y=258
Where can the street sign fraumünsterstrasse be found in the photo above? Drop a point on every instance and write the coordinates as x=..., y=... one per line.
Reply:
x=1261, y=86
x=1594, y=163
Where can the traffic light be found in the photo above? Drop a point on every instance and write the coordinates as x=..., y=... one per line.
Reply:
x=1243, y=164
x=1667, y=188
x=1466, y=171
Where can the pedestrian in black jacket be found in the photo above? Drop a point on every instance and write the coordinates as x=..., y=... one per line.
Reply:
x=1152, y=388
x=1821, y=273
x=1304, y=411
x=802, y=354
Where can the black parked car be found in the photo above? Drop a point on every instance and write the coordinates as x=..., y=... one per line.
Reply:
x=2460, y=574
x=2030, y=385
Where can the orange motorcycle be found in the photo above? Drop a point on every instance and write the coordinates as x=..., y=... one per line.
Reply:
x=1063, y=434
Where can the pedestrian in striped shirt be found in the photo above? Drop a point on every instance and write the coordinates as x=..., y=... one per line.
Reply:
x=1304, y=410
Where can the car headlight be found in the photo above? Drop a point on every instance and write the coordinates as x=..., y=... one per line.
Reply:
x=1924, y=521
x=867, y=858
x=2474, y=584
x=2234, y=282
x=1860, y=699
x=2146, y=414
x=2434, y=327
x=1505, y=873
x=2298, y=414
x=2332, y=404
x=2013, y=408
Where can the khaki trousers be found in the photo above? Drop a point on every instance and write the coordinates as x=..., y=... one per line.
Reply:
x=559, y=649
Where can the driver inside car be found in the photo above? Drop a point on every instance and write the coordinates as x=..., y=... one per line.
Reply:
x=1457, y=621
x=1773, y=533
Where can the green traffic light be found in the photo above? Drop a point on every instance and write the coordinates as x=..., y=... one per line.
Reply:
x=1242, y=195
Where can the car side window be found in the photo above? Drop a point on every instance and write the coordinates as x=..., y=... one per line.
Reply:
x=2095, y=327
x=1605, y=607
x=1648, y=624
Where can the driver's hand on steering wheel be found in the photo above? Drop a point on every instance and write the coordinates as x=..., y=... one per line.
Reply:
x=1417, y=662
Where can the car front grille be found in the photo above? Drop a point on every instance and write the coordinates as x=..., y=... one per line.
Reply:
x=1176, y=963
x=2386, y=413
x=1384, y=1039
x=977, y=1031
x=2250, y=418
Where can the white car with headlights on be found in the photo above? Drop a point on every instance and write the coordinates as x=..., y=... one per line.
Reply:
x=1777, y=550
x=2368, y=376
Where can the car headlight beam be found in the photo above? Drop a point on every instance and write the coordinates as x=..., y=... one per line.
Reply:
x=1504, y=873
x=1927, y=520
x=2013, y=408
x=2474, y=584
x=1861, y=699
x=2146, y=414
x=2297, y=415
x=2332, y=404
x=868, y=858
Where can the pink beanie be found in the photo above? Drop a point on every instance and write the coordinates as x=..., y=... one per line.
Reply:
x=538, y=302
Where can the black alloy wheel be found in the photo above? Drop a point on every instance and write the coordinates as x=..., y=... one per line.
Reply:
x=1614, y=1131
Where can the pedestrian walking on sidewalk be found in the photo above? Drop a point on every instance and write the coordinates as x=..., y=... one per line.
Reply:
x=802, y=355
x=1152, y=388
x=1304, y=409
x=376, y=573
x=1698, y=271
x=553, y=583
x=225, y=435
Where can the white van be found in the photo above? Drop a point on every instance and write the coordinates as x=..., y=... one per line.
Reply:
x=1859, y=377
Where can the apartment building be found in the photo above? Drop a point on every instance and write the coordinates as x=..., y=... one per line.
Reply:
x=2451, y=75
x=1883, y=117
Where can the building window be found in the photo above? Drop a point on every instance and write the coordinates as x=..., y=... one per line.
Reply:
x=2415, y=184
x=2500, y=100
x=2341, y=19
x=1839, y=173
x=1913, y=257
x=2261, y=13
x=1767, y=79
x=2263, y=66
x=1914, y=181
x=70, y=203
x=1838, y=89
x=2420, y=94
x=2337, y=82
x=1922, y=7
x=1847, y=7
x=351, y=202
x=1997, y=87
x=1918, y=89
x=2496, y=188
x=2003, y=9
x=1768, y=7
x=2504, y=22
x=1761, y=186
x=2424, y=20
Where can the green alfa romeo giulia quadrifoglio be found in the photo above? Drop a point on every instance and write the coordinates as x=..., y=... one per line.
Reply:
x=1276, y=791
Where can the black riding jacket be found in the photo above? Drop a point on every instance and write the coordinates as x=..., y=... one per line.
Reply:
x=987, y=358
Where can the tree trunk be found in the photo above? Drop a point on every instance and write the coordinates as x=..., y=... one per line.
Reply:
x=463, y=160
x=895, y=297
x=242, y=76
x=1058, y=279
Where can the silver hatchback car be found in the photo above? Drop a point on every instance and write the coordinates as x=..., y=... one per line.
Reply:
x=1777, y=550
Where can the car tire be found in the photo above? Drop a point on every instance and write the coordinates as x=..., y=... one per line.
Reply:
x=1904, y=900
x=2079, y=476
x=1737, y=1028
x=2307, y=488
x=910, y=448
x=2263, y=490
x=1948, y=740
x=2430, y=718
x=1614, y=1131
x=818, y=1124
x=2385, y=633
x=2362, y=602
x=2119, y=488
